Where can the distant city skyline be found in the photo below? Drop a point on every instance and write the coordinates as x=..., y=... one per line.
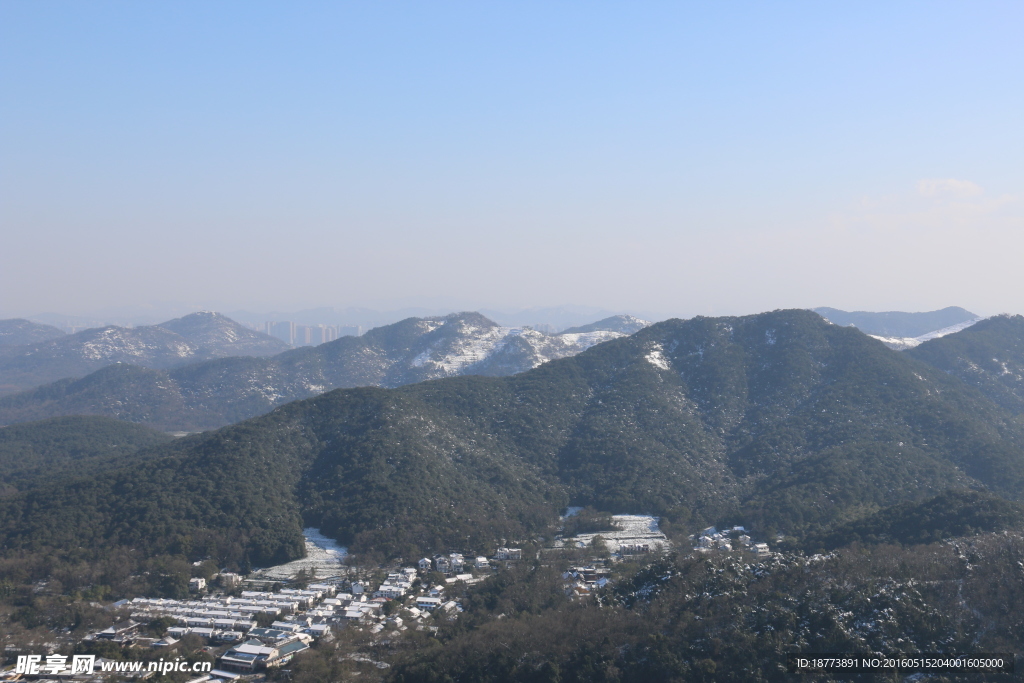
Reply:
x=667, y=159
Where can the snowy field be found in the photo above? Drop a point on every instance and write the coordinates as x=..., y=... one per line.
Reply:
x=629, y=530
x=323, y=555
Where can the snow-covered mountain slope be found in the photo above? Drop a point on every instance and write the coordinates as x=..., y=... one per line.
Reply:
x=469, y=343
x=195, y=337
x=904, y=343
x=217, y=392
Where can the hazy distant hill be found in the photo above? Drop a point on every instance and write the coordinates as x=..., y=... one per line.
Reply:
x=626, y=324
x=778, y=421
x=896, y=323
x=199, y=336
x=211, y=394
x=17, y=331
x=988, y=355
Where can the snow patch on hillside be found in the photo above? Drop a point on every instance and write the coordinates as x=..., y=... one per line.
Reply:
x=656, y=357
x=450, y=356
x=904, y=343
x=324, y=557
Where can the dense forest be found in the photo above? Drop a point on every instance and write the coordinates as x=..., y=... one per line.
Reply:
x=988, y=355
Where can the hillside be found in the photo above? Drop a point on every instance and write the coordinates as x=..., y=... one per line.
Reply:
x=719, y=617
x=211, y=394
x=949, y=515
x=779, y=421
x=18, y=331
x=897, y=323
x=626, y=324
x=199, y=336
x=988, y=355
x=69, y=445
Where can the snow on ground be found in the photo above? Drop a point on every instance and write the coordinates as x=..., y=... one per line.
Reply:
x=904, y=343
x=656, y=357
x=323, y=555
x=629, y=530
x=480, y=343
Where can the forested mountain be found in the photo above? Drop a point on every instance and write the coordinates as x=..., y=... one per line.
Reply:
x=780, y=421
x=199, y=336
x=897, y=323
x=988, y=355
x=53, y=449
x=211, y=394
x=18, y=331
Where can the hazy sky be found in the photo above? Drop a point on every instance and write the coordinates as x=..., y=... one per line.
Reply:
x=682, y=158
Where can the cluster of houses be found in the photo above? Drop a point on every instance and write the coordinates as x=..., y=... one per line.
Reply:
x=455, y=563
x=732, y=539
x=300, y=616
x=397, y=584
x=583, y=581
x=263, y=649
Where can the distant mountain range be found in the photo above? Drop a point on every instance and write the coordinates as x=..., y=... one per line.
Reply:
x=552, y=318
x=195, y=337
x=199, y=396
x=897, y=324
x=18, y=332
x=779, y=421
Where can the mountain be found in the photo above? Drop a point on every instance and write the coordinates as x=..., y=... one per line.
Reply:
x=779, y=421
x=64, y=445
x=18, y=331
x=214, y=393
x=626, y=324
x=199, y=336
x=897, y=323
x=988, y=355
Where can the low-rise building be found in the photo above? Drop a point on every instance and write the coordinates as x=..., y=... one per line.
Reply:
x=428, y=603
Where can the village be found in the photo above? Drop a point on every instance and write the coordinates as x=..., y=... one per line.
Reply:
x=260, y=622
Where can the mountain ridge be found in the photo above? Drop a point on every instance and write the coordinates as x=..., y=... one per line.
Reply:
x=897, y=324
x=198, y=336
x=779, y=420
x=222, y=391
x=19, y=332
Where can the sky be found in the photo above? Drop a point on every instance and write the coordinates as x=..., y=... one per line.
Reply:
x=674, y=158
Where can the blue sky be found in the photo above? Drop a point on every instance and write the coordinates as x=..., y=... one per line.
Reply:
x=675, y=158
